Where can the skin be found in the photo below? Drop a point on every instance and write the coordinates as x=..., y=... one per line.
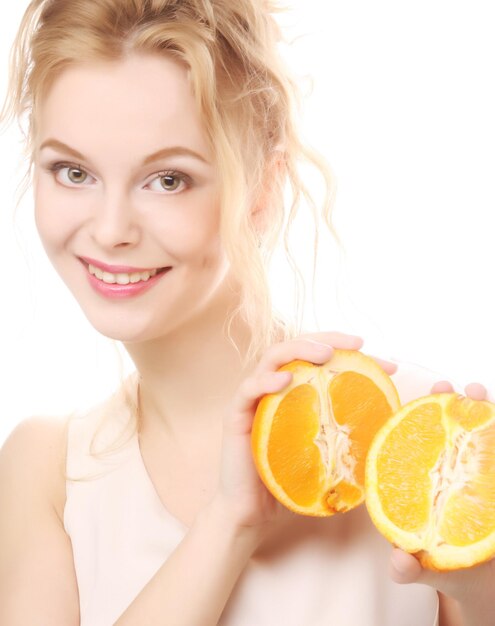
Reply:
x=115, y=114
x=121, y=214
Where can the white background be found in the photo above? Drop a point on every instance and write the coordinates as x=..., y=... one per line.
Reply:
x=403, y=108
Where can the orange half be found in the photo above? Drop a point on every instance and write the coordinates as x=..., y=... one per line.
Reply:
x=310, y=440
x=430, y=480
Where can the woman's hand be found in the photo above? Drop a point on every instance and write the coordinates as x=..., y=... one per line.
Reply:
x=472, y=589
x=241, y=493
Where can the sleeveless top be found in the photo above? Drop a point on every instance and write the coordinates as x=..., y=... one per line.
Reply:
x=318, y=572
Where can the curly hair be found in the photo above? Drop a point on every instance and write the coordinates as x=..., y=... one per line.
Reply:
x=247, y=98
x=246, y=95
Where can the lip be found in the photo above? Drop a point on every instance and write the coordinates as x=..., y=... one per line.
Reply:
x=116, y=269
x=116, y=291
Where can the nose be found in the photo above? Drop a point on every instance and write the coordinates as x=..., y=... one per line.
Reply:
x=114, y=220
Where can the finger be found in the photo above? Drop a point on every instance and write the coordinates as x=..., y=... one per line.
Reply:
x=388, y=367
x=405, y=569
x=305, y=349
x=238, y=420
x=313, y=347
x=442, y=386
x=337, y=340
x=476, y=391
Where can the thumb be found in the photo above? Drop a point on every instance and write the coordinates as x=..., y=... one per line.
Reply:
x=405, y=568
x=460, y=584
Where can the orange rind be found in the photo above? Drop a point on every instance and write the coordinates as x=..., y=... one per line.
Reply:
x=309, y=441
x=430, y=480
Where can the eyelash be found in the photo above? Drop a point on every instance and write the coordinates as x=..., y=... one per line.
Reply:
x=60, y=165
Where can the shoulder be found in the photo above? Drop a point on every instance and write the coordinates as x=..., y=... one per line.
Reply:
x=37, y=571
x=34, y=457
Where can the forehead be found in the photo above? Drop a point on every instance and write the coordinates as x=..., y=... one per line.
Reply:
x=139, y=102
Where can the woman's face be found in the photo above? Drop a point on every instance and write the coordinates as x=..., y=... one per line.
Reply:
x=124, y=176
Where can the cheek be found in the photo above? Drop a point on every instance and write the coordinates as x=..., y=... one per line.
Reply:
x=44, y=215
x=194, y=236
x=55, y=220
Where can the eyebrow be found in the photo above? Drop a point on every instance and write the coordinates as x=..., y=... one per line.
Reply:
x=159, y=154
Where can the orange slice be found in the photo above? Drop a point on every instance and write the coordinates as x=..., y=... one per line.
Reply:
x=310, y=440
x=430, y=480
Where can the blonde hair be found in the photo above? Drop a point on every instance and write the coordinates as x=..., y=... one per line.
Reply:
x=248, y=100
x=246, y=96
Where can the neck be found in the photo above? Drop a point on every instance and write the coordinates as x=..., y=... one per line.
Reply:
x=188, y=377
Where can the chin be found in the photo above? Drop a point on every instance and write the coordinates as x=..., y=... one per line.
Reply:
x=124, y=328
x=135, y=327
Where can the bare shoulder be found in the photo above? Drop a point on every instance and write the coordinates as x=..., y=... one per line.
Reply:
x=35, y=454
x=37, y=574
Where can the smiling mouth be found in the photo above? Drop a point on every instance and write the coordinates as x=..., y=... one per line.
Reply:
x=122, y=278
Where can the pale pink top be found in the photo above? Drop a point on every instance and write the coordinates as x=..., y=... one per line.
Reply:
x=320, y=571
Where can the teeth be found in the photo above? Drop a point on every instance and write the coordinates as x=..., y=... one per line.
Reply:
x=121, y=279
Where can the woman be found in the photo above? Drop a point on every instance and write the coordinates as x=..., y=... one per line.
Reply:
x=161, y=135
